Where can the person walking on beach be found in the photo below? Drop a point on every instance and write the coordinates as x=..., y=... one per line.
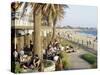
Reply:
x=87, y=43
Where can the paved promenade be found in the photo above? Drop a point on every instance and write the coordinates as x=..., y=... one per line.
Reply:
x=76, y=62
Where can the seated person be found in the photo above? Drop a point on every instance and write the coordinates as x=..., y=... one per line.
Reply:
x=62, y=48
x=67, y=47
x=58, y=47
x=21, y=52
x=72, y=48
x=55, y=42
x=31, y=45
x=26, y=61
x=55, y=58
x=50, y=44
x=29, y=61
x=27, y=49
x=23, y=58
x=23, y=61
x=36, y=61
x=15, y=54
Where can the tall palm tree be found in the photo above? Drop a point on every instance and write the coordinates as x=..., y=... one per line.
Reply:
x=36, y=27
x=54, y=12
x=58, y=15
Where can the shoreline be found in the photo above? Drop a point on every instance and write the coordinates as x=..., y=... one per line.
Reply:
x=74, y=32
x=75, y=36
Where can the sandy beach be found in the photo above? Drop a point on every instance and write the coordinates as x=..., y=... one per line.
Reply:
x=73, y=35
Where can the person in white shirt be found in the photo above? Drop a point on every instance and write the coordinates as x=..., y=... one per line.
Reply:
x=15, y=54
x=56, y=57
x=62, y=48
x=21, y=52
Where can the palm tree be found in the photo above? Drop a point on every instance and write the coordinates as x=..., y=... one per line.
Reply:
x=38, y=12
x=57, y=17
x=15, y=6
x=54, y=12
x=37, y=30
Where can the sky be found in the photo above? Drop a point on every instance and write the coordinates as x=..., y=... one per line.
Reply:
x=78, y=15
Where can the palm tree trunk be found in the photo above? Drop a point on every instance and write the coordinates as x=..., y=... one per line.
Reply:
x=50, y=23
x=54, y=28
x=28, y=40
x=37, y=37
x=20, y=43
x=54, y=32
x=25, y=40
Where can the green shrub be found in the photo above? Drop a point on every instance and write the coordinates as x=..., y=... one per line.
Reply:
x=62, y=54
x=65, y=64
x=17, y=68
x=90, y=58
x=64, y=42
x=64, y=58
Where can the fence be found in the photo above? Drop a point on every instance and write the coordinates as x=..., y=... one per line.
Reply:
x=88, y=43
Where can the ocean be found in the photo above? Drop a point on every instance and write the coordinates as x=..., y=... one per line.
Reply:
x=88, y=32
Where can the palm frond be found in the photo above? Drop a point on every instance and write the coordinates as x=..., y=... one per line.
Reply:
x=24, y=9
x=15, y=5
x=53, y=8
x=46, y=6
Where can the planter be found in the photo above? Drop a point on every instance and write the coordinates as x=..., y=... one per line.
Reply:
x=51, y=67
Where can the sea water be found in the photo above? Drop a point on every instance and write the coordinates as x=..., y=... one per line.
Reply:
x=88, y=32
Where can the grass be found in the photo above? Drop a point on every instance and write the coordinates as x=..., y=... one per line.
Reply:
x=90, y=58
x=64, y=58
x=65, y=42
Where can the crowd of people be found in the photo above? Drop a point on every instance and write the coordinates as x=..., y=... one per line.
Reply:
x=53, y=53
x=26, y=58
x=53, y=49
x=69, y=48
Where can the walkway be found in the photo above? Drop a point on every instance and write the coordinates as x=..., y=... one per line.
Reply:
x=76, y=62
